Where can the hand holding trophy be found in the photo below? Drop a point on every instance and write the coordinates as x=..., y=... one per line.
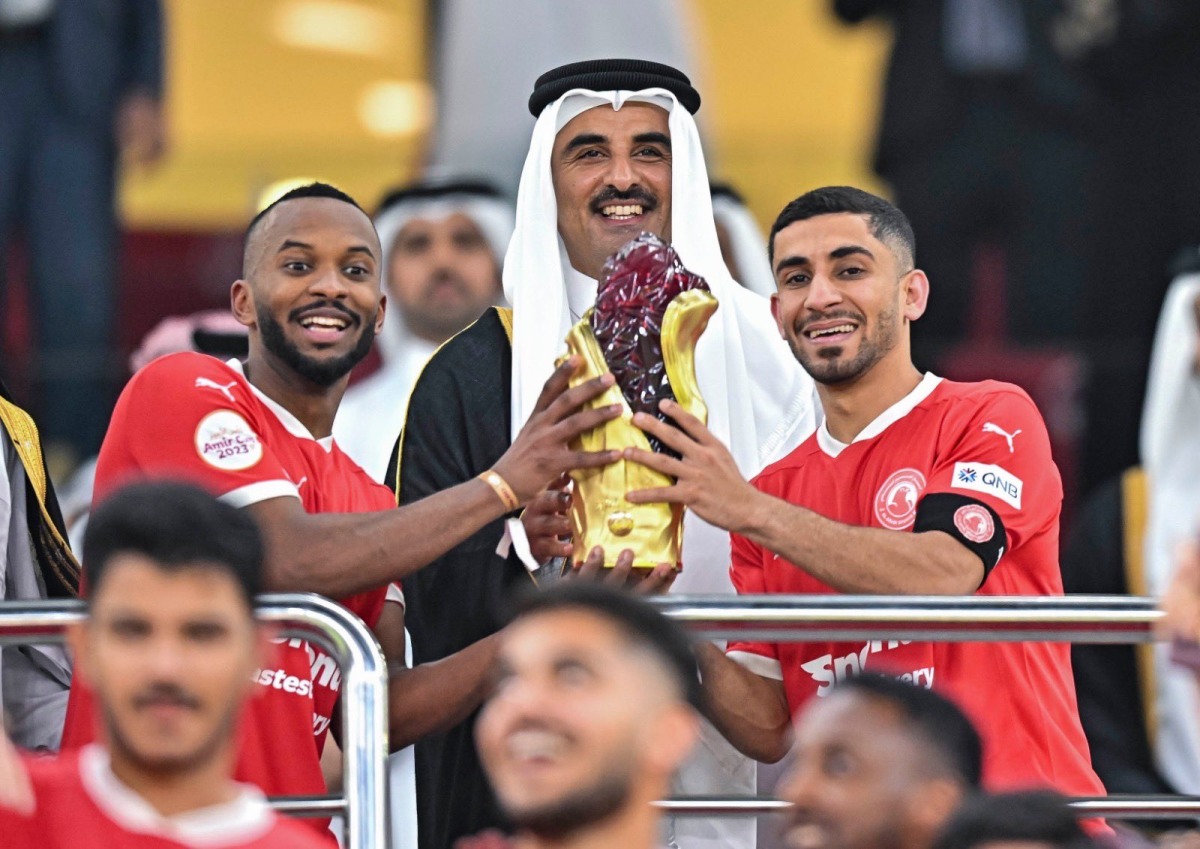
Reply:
x=650, y=312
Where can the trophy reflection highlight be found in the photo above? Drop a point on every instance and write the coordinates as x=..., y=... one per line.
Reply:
x=650, y=312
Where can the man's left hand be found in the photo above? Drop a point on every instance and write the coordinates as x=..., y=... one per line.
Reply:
x=707, y=479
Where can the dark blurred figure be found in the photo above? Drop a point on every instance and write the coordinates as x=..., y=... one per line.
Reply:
x=892, y=788
x=80, y=91
x=983, y=139
x=1030, y=819
x=1144, y=57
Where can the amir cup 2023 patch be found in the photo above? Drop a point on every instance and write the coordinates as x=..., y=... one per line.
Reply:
x=226, y=441
x=990, y=480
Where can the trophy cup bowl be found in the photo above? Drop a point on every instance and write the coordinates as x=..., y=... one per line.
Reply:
x=600, y=514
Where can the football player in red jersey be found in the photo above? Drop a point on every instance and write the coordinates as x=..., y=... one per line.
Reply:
x=912, y=485
x=170, y=646
x=258, y=436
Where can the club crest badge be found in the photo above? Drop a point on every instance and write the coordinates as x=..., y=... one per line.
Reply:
x=974, y=522
x=896, y=501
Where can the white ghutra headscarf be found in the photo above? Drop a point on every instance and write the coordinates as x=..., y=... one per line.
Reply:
x=761, y=403
x=1170, y=449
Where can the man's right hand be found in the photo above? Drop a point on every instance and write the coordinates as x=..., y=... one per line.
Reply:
x=542, y=450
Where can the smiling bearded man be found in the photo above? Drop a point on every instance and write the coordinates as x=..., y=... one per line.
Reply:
x=615, y=152
x=258, y=435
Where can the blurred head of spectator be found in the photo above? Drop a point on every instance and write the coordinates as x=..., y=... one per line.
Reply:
x=214, y=332
x=879, y=764
x=1031, y=819
x=171, y=645
x=590, y=715
x=743, y=246
x=443, y=244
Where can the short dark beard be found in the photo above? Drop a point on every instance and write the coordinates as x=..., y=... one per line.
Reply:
x=322, y=373
x=829, y=370
x=578, y=810
x=121, y=748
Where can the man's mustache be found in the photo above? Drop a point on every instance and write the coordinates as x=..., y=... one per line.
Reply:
x=166, y=694
x=299, y=312
x=636, y=194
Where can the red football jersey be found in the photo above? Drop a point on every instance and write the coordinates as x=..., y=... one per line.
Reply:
x=81, y=803
x=189, y=416
x=985, y=442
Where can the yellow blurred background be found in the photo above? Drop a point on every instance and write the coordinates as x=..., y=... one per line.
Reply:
x=264, y=90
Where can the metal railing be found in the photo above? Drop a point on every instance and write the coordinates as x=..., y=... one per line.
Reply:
x=797, y=618
x=778, y=618
x=364, y=687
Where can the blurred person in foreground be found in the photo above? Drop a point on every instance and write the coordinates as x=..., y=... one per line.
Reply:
x=172, y=649
x=592, y=709
x=912, y=485
x=36, y=562
x=81, y=86
x=615, y=151
x=258, y=434
x=443, y=242
x=1030, y=819
x=890, y=787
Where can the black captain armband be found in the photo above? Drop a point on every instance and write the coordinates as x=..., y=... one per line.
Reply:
x=971, y=522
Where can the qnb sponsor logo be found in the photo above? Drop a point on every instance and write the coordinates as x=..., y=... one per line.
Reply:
x=828, y=670
x=989, y=479
x=280, y=679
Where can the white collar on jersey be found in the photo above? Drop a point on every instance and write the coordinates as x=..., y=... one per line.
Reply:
x=292, y=424
x=883, y=421
x=245, y=819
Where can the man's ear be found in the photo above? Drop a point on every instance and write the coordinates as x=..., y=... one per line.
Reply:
x=916, y=294
x=675, y=732
x=241, y=302
x=930, y=806
x=382, y=311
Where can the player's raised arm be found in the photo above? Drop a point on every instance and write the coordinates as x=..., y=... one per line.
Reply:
x=340, y=554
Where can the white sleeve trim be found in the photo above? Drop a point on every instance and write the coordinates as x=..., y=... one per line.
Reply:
x=395, y=595
x=258, y=491
x=764, y=667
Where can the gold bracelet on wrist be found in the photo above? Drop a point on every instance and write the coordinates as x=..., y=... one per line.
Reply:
x=500, y=486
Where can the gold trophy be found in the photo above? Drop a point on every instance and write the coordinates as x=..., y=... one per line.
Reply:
x=651, y=352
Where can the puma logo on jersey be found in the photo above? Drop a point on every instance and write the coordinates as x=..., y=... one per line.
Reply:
x=988, y=427
x=223, y=388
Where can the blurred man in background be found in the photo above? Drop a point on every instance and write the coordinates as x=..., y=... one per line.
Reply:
x=80, y=91
x=592, y=709
x=172, y=649
x=443, y=242
x=878, y=764
x=743, y=245
x=1140, y=710
x=982, y=139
